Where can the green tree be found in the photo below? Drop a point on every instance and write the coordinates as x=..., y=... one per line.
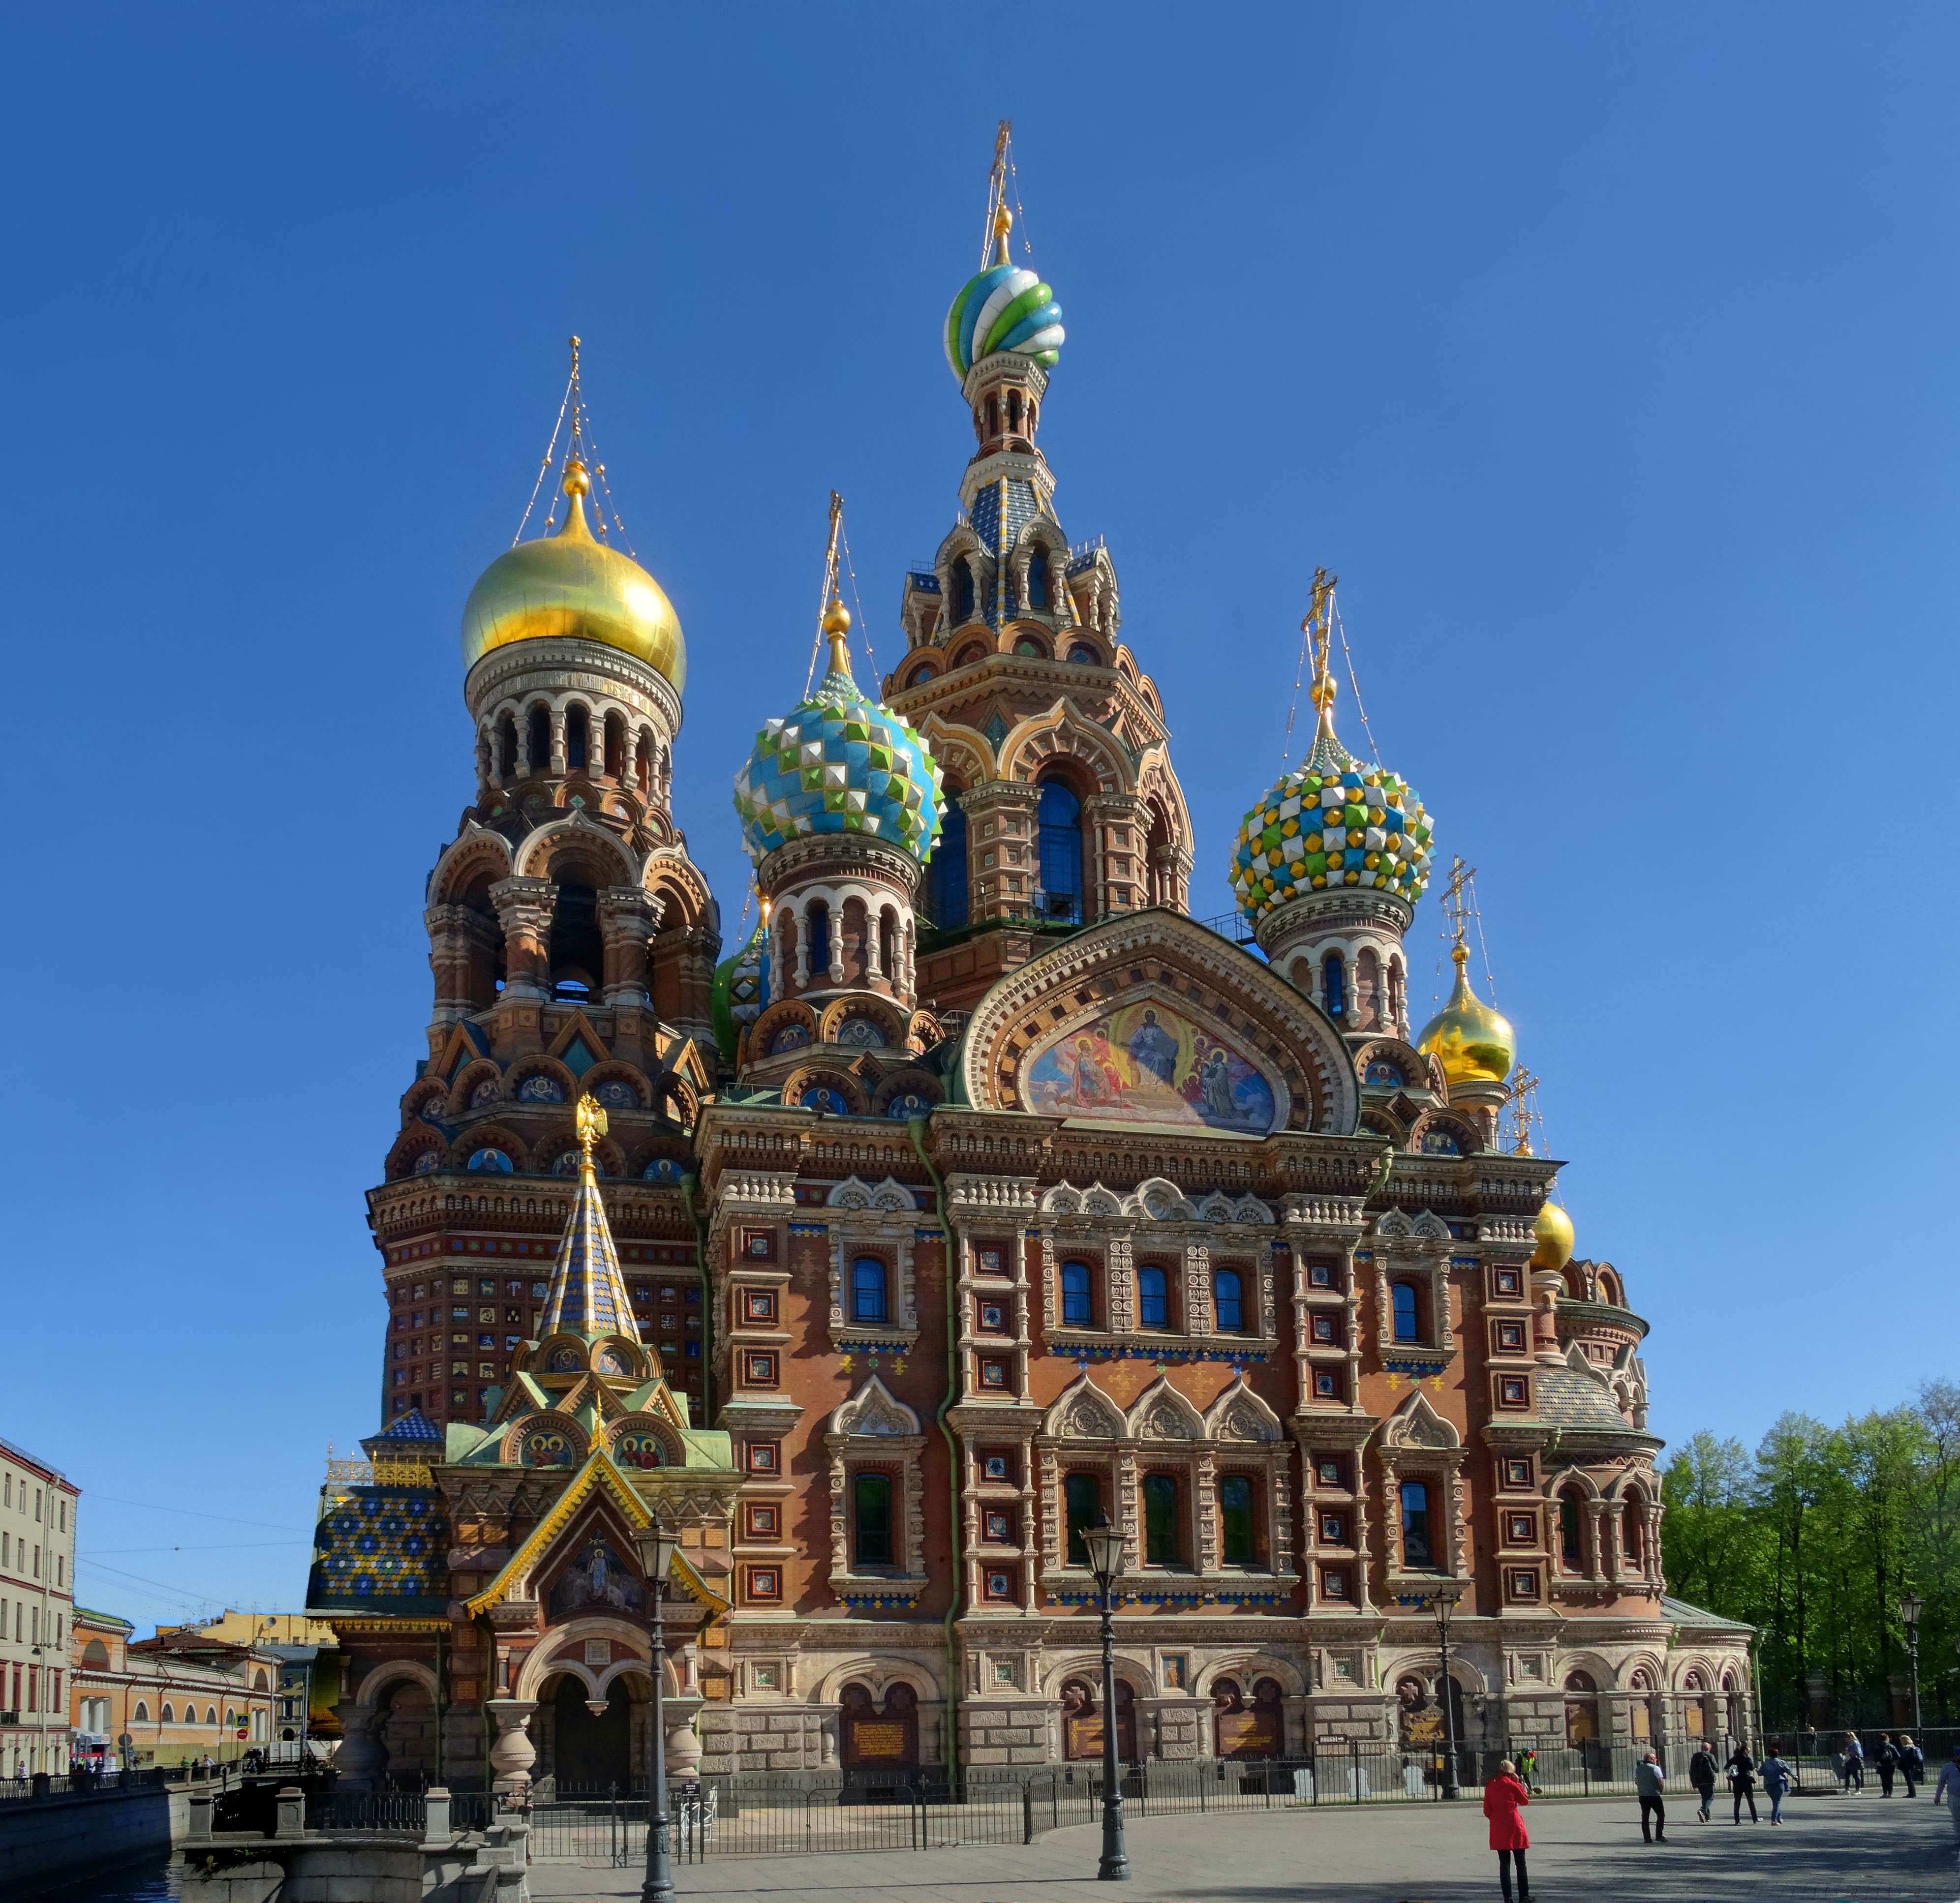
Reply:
x=1711, y=1537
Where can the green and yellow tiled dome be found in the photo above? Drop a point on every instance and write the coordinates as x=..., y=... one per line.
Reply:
x=1334, y=821
x=838, y=762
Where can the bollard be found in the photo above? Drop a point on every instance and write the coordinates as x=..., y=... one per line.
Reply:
x=291, y=1801
x=435, y=1824
x=201, y=1803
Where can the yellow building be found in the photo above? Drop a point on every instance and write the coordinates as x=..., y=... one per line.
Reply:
x=179, y=1696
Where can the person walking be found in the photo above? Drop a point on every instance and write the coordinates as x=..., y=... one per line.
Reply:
x=1504, y=1797
x=1885, y=1760
x=1650, y=1781
x=1528, y=1768
x=1912, y=1765
x=1949, y=1791
x=1778, y=1777
x=1742, y=1769
x=1701, y=1777
x=1854, y=1763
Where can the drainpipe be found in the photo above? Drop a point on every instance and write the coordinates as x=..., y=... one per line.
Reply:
x=688, y=1184
x=915, y=1127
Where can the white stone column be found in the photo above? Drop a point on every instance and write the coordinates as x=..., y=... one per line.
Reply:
x=513, y=1754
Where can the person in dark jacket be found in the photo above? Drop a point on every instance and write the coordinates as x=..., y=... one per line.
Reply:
x=1742, y=1769
x=1885, y=1761
x=1912, y=1765
x=1504, y=1797
x=1701, y=1778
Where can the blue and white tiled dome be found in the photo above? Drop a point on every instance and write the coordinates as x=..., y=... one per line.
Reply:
x=838, y=762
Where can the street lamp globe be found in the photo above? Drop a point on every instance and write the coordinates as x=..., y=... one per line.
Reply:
x=656, y=1548
x=1909, y=1607
x=1105, y=1545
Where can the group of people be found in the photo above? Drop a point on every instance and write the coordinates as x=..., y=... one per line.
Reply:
x=1894, y=1756
x=1507, y=1794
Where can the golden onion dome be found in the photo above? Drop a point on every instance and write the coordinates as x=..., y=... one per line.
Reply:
x=571, y=583
x=1553, y=1229
x=1474, y=1044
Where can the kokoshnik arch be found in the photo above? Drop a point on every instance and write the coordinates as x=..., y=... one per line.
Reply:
x=980, y=1194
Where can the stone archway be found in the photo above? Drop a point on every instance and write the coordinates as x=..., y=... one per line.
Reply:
x=583, y=1751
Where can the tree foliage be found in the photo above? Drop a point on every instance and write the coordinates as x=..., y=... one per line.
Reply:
x=1814, y=1539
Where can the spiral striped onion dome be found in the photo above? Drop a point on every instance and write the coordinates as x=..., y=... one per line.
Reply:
x=1334, y=821
x=1004, y=308
x=837, y=763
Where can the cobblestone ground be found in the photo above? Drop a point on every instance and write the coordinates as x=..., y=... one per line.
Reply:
x=1859, y=1849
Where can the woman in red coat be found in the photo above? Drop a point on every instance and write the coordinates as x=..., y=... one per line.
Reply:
x=1504, y=1797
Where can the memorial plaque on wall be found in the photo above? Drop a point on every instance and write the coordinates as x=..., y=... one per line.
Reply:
x=877, y=1739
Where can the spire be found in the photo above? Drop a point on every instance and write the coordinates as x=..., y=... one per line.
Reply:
x=1327, y=751
x=588, y=1292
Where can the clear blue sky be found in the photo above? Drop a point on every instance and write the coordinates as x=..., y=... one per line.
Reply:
x=1608, y=354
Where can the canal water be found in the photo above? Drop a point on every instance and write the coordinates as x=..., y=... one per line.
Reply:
x=153, y=1880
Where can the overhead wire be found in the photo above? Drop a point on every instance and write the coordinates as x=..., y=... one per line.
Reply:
x=551, y=453
x=1353, y=681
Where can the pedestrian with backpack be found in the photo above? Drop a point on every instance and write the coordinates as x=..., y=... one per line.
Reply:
x=1912, y=1765
x=1701, y=1777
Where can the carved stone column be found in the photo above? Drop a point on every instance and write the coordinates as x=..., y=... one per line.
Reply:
x=683, y=1743
x=629, y=917
x=361, y=1759
x=513, y=1754
x=524, y=909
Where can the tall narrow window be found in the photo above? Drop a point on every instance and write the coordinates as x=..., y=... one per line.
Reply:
x=1058, y=814
x=1228, y=1299
x=871, y=1519
x=1235, y=1520
x=1082, y=1497
x=538, y=725
x=888, y=945
x=963, y=593
x=576, y=733
x=1153, y=1297
x=1571, y=1552
x=1336, y=973
x=817, y=927
x=1162, y=1544
x=1037, y=579
x=1076, y=1309
x=1633, y=1536
x=868, y=1290
x=1416, y=1548
x=946, y=872
x=1404, y=1295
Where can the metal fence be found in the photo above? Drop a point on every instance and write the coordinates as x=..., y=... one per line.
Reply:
x=755, y=1815
x=83, y=1783
x=392, y=1813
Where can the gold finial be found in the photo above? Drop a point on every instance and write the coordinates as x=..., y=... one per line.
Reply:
x=1456, y=902
x=1524, y=1089
x=1318, y=627
x=577, y=485
x=577, y=480
x=591, y=1122
x=837, y=630
x=1004, y=223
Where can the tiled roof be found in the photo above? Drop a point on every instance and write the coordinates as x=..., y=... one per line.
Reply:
x=1568, y=1398
x=413, y=1426
x=381, y=1550
x=588, y=1292
x=1678, y=1612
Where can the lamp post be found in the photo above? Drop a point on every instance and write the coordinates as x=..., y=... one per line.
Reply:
x=1105, y=1545
x=656, y=1548
x=1442, y=1602
x=1909, y=1607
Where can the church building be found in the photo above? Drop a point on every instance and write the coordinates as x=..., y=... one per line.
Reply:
x=982, y=1195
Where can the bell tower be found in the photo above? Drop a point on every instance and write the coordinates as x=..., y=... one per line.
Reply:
x=1061, y=805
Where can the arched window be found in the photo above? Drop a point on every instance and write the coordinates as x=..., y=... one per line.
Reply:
x=816, y=926
x=867, y=1291
x=170, y=1716
x=1571, y=1545
x=1228, y=1300
x=1236, y=1526
x=888, y=945
x=1163, y=1545
x=1416, y=1551
x=993, y=416
x=871, y=1519
x=1395, y=1006
x=1058, y=814
x=1404, y=1295
x=142, y=1713
x=1633, y=1530
x=616, y=746
x=1076, y=1311
x=507, y=749
x=963, y=593
x=946, y=874
x=1038, y=582
x=538, y=721
x=578, y=729
x=1334, y=973
x=1083, y=655
x=643, y=767
x=1153, y=1297
x=1082, y=1498
x=211, y=1714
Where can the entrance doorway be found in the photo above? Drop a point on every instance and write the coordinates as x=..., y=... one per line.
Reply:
x=591, y=1753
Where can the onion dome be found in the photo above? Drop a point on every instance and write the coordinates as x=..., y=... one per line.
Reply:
x=1004, y=308
x=837, y=763
x=1473, y=1042
x=571, y=583
x=1553, y=1229
x=1331, y=823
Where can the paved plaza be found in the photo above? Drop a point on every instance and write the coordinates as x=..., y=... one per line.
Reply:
x=1584, y=1851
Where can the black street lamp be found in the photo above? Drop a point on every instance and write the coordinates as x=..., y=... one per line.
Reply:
x=1442, y=1602
x=1910, y=1608
x=1105, y=1544
x=657, y=1548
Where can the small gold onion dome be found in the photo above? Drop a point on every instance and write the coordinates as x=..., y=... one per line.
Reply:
x=572, y=584
x=1554, y=1231
x=1474, y=1044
